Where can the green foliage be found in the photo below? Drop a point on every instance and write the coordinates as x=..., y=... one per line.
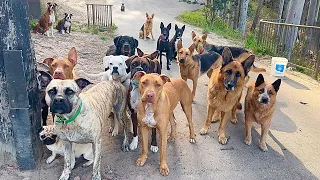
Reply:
x=33, y=23
x=251, y=42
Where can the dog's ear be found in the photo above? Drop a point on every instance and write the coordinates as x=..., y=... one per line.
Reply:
x=147, y=15
x=191, y=48
x=152, y=15
x=43, y=67
x=140, y=53
x=116, y=40
x=138, y=75
x=193, y=34
x=259, y=81
x=106, y=60
x=165, y=78
x=136, y=42
x=179, y=44
x=71, y=15
x=276, y=85
x=226, y=56
x=169, y=26
x=183, y=27
x=73, y=56
x=161, y=25
x=82, y=82
x=49, y=3
x=248, y=63
x=155, y=66
x=48, y=61
x=44, y=79
x=175, y=27
x=55, y=4
x=154, y=55
x=65, y=14
x=204, y=37
x=125, y=58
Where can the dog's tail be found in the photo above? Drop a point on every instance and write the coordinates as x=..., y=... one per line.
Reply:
x=257, y=69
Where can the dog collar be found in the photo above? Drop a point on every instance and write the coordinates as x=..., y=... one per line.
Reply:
x=135, y=84
x=67, y=121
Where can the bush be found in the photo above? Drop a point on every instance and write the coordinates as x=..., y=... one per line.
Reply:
x=33, y=23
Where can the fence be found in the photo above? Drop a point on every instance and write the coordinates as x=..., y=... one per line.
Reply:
x=99, y=15
x=299, y=43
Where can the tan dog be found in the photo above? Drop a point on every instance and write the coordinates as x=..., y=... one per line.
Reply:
x=159, y=97
x=146, y=28
x=199, y=41
x=259, y=107
x=224, y=89
x=192, y=67
x=63, y=69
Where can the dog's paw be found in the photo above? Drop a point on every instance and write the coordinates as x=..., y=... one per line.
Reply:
x=115, y=132
x=223, y=139
x=164, y=170
x=204, y=131
x=192, y=140
x=134, y=143
x=87, y=163
x=154, y=149
x=125, y=147
x=247, y=141
x=65, y=174
x=214, y=120
x=234, y=121
x=50, y=159
x=110, y=129
x=141, y=160
x=263, y=147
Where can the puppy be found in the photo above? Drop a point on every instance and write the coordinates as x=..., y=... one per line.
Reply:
x=46, y=21
x=225, y=87
x=192, y=67
x=63, y=69
x=159, y=97
x=64, y=25
x=54, y=144
x=81, y=116
x=115, y=69
x=173, y=42
x=259, y=107
x=142, y=63
x=146, y=28
x=123, y=45
x=163, y=44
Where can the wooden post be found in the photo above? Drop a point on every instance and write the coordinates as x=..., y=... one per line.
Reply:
x=19, y=104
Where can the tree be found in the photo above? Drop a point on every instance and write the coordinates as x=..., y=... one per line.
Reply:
x=243, y=16
x=236, y=6
x=312, y=13
x=256, y=18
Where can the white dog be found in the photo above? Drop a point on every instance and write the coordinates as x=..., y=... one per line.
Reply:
x=115, y=67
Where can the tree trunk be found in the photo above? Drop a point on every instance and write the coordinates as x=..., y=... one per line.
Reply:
x=317, y=11
x=312, y=13
x=293, y=17
x=256, y=18
x=236, y=14
x=305, y=12
x=243, y=16
x=281, y=7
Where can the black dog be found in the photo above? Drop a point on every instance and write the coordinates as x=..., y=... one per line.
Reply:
x=64, y=24
x=163, y=44
x=123, y=45
x=44, y=79
x=173, y=42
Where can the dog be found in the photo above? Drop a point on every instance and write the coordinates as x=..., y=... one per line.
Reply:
x=54, y=144
x=159, y=97
x=81, y=115
x=43, y=78
x=146, y=28
x=63, y=69
x=224, y=89
x=137, y=64
x=46, y=21
x=115, y=69
x=173, y=42
x=193, y=66
x=259, y=107
x=163, y=44
x=123, y=45
x=64, y=25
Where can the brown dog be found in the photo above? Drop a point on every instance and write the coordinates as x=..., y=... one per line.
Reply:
x=63, y=69
x=159, y=97
x=146, y=28
x=47, y=20
x=259, y=107
x=192, y=67
x=224, y=89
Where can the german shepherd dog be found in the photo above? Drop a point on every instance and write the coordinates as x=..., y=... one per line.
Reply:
x=146, y=28
x=163, y=44
x=259, y=107
x=177, y=37
x=192, y=67
x=225, y=87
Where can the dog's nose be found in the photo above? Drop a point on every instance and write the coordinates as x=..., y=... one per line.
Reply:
x=264, y=100
x=59, y=100
x=115, y=68
x=181, y=60
x=150, y=95
x=230, y=86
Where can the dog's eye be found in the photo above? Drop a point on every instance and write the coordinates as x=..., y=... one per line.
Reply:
x=157, y=85
x=228, y=72
x=54, y=65
x=110, y=63
x=261, y=91
x=238, y=74
x=144, y=83
x=52, y=91
x=120, y=64
x=187, y=54
x=270, y=92
x=69, y=91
